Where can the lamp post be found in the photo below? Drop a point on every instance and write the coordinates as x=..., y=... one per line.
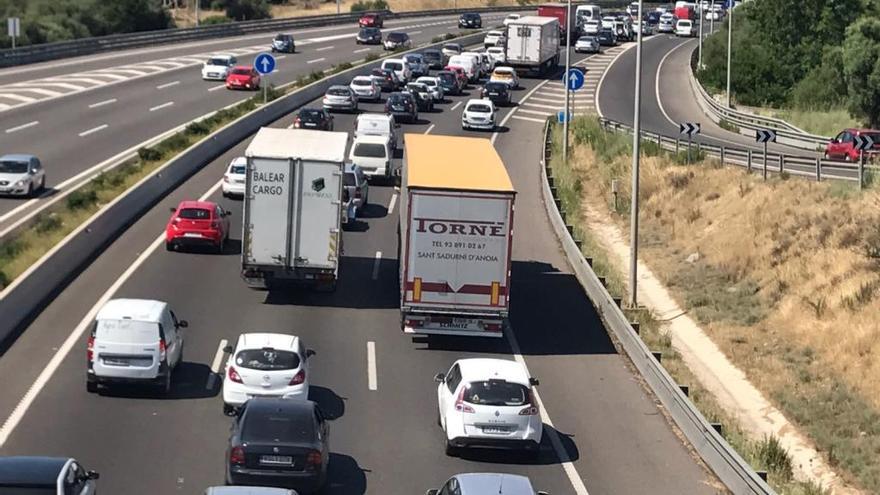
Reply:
x=634, y=210
x=729, y=44
x=567, y=91
x=197, y=12
x=700, y=48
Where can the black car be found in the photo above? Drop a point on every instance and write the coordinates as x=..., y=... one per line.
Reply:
x=424, y=102
x=449, y=82
x=402, y=106
x=278, y=442
x=283, y=43
x=498, y=92
x=607, y=38
x=385, y=79
x=434, y=58
x=653, y=18
x=314, y=118
x=41, y=475
x=369, y=36
x=470, y=20
x=397, y=40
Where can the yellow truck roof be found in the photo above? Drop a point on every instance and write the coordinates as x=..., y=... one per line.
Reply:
x=452, y=162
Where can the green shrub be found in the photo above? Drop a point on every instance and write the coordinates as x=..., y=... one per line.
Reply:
x=246, y=10
x=364, y=5
x=198, y=129
x=437, y=39
x=214, y=19
x=371, y=56
x=149, y=154
x=82, y=198
x=342, y=67
x=47, y=223
x=774, y=457
x=449, y=36
x=316, y=75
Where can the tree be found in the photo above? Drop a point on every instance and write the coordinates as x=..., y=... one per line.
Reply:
x=126, y=16
x=245, y=10
x=861, y=69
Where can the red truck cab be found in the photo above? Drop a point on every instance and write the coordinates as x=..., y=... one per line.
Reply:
x=560, y=12
x=686, y=12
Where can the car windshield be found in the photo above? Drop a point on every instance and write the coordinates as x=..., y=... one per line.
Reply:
x=237, y=169
x=275, y=425
x=587, y=39
x=369, y=150
x=502, y=74
x=432, y=54
x=13, y=167
x=428, y=82
x=415, y=88
x=479, y=108
x=369, y=31
x=194, y=213
x=447, y=77
x=267, y=359
x=217, y=61
x=496, y=393
x=394, y=65
x=241, y=72
x=362, y=82
x=338, y=92
x=311, y=115
x=454, y=48
x=397, y=99
x=282, y=37
x=396, y=36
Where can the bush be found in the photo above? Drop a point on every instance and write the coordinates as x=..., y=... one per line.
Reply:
x=197, y=129
x=218, y=5
x=449, y=36
x=47, y=223
x=774, y=457
x=316, y=75
x=149, y=154
x=342, y=67
x=214, y=19
x=173, y=143
x=365, y=5
x=246, y=10
x=823, y=88
x=82, y=198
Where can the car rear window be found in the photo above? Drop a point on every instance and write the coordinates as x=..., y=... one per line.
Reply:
x=128, y=331
x=310, y=115
x=267, y=359
x=456, y=48
x=338, y=91
x=13, y=167
x=447, y=77
x=479, y=108
x=370, y=150
x=396, y=36
x=348, y=179
x=496, y=393
x=394, y=65
x=237, y=169
x=194, y=213
x=242, y=72
x=362, y=82
x=494, y=86
x=218, y=61
x=277, y=426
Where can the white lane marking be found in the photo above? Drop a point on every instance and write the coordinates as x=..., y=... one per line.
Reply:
x=415, y=32
x=530, y=119
x=576, y=481
x=324, y=48
x=102, y=103
x=538, y=105
x=31, y=395
x=376, y=263
x=316, y=60
x=280, y=57
x=545, y=100
x=392, y=203
x=115, y=77
x=215, y=365
x=510, y=113
x=93, y=130
x=371, y=366
x=154, y=68
x=168, y=85
x=430, y=128
x=24, y=99
x=534, y=112
x=455, y=106
x=215, y=88
x=657, y=83
x=362, y=50
x=93, y=82
x=120, y=72
x=20, y=127
x=28, y=85
x=164, y=105
x=44, y=92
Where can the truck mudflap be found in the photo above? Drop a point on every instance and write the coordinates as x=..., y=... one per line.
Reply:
x=277, y=278
x=467, y=325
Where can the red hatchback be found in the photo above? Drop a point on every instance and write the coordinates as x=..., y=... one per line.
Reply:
x=371, y=20
x=243, y=77
x=197, y=223
x=842, y=147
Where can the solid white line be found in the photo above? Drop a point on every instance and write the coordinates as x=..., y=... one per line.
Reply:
x=535, y=112
x=23, y=99
x=415, y=32
x=102, y=103
x=215, y=88
x=455, y=106
x=510, y=114
x=315, y=61
x=430, y=128
x=546, y=100
x=538, y=105
x=362, y=50
x=371, y=366
x=44, y=92
x=215, y=365
x=324, y=48
x=530, y=119
x=58, y=358
x=392, y=203
x=167, y=85
x=164, y=105
x=28, y=85
x=376, y=262
x=657, y=83
x=20, y=127
x=93, y=130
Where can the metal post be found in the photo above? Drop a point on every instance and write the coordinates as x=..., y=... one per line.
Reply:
x=197, y=12
x=264, y=93
x=337, y=6
x=712, y=19
x=781, y=163
x=729, y=47
x=677, y=145
x=861, y=169
x=700, y=47
x=765, y=161
x=634, y=211
x=749, y=160
x=722, y=156
x=818, y=170
x=565, y=82
x=689, y=149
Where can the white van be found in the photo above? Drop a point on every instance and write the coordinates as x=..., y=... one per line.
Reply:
x=134, y=341
x=478, y=59
x=399, y=66
x=373, y=154
x=469, y=64
x=585, y=13
x=376, y=124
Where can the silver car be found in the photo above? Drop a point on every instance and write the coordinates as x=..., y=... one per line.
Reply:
x=587, y=44
x=21, y=175
x=434, y=87
x=340, y=98
x=417, y=64
x=485, y=483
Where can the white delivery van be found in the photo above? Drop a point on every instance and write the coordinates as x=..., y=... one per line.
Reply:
x=533, y=44
x=399, y=66
x=585, y=13
x=377, y=124
x=373, y=154
x=469, y=64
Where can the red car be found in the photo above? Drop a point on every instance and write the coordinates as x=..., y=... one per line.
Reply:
x=842, y=147
x=460, y=74
x=371, y=20
x=243, y=77
x=197, y=223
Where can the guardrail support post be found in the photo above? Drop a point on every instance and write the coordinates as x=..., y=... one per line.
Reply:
x=617, y=301
x=818, y=170
x=861, y=170
x=764, y=172
x=657, y=355
x=635, y=327
x=749, y=161
x=676, y=145
x=781, y=163
x=722, y=156
x=718, y=427
x=762, y=475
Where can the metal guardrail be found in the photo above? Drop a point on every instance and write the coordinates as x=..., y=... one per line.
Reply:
x=713, y=449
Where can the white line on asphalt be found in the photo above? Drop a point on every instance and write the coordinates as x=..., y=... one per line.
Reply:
x=44, y=92
x=538, y=105
x=530, y=119
x=280, y=57
x=392, y=203
x=24, y=99
x=535, y=112
x=167, y=85
x=316, y=60
x=455, y=106
x=657, y=83
x=58, y=358
x=415, y=32
x=510, y=113
x=371, y=366
x=102, y=103
x=164, y=105
x=215, y=88
x=93, y=130
x=376, y=263
x=362, y=50
x=23, y=126
x=215, y=365
x=324, y=48
x=430, y=128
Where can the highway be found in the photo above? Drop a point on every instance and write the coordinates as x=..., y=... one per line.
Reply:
x=608, y=435
x=126, y=98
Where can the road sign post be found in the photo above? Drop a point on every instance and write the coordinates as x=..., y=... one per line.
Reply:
x=862, y=142
x=264, y=63
x=634, y=200
x=764, y=136
x=13, y=29
x=567, y=91
x=689, y=128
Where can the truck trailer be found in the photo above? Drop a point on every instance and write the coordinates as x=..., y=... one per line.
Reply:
x=455, y=237
x=533, y=44
x=291, y=227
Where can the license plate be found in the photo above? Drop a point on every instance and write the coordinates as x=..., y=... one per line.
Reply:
x=115, y=362
x=496, y=429
x=276, y=460
x=192, y=234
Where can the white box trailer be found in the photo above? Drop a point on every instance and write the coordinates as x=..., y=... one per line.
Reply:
x=456, y=233
x=291, y=227
x=533, y=44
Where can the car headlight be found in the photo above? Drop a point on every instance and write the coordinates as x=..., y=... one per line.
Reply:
x=21, y=182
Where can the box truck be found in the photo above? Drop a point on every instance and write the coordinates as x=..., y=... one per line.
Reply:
x=568, y=27
x=293, y=208
x=533, y=44
x=455, y=237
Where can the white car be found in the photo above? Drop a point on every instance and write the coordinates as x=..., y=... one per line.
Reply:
x=506, y=75
x=265, y=365
x=399, y=66
x=511, y=18
x=478, y=114
x=488, y=403
x=588, y=44
x=340, y=97
x=233, y=179
x=494, y=38
x=21, y=175
x=608, y=22
x=497, y=54
x=450, y=49
x=715, y=14
x=593, y=26
x=434, y=87
x=373, y=153
x=667, y=24
x=217, y=67
x=684, y=28
x=365, y=88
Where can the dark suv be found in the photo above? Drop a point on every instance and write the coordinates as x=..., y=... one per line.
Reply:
x=369, y=36
x=470, y=20
x=434, y=58
x=402, y=106
x=283, y=43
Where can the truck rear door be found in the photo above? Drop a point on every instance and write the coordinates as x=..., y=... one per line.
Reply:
x=523, y=43
x=315, y=236
x=267, y=206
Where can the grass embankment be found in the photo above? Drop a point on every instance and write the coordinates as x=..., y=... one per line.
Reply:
x=787, y=283
x=819, y=122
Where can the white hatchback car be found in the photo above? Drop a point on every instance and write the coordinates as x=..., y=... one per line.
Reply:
x=511, y=18
x=234, y=178
x=265, y=365
x=217, y=67
x=488, y=403
x=684, y=28
x=497, y=54
x=495, y=38
x=506, y=75
x=365, y=88
x=433, y=85
x=478, y=114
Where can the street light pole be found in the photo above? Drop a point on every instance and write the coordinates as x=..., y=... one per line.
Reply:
x=700, y=49
x=197, y=12
x=634, y=210
x=565, y=82
x=729, y=44
x=712, y=19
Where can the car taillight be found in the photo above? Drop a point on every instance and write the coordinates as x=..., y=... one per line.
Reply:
x=313, y=459
x=532, y=409
x=90, y=349
x=357, y=193
x=225, y=178
x=297, y=123
x=298, y=378
x=215, y=224
x=233, y=375
x=162, y=350
x=460, y=405
x=236, y=455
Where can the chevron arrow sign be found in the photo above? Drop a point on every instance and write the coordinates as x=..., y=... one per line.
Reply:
x=765, y=136
x=689, y=128
x=863, y=142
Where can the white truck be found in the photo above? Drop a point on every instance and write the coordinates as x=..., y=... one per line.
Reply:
x=533, y=44
x=291, y=226
x=456, y=233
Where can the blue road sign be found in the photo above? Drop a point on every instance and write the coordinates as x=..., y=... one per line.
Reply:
x=574, y=79
x=264, y=63
x=561, y=117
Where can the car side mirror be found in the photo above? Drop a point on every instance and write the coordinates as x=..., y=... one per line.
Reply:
x=439, y=378
x=228, y=349
x=534, y=382
x=182, y=324
x=310, y=353
x=173, y=209
x=92, y=475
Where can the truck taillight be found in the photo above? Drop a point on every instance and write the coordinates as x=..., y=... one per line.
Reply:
x=417, y=289
x=495, y=293
x=492, y=327
x=414, y=323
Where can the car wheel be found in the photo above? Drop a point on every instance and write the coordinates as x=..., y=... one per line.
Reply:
x=228, y=410
x=91, y=387
x=827, y=156
x=451, y=451
x=43, y=184
x=847, y=158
